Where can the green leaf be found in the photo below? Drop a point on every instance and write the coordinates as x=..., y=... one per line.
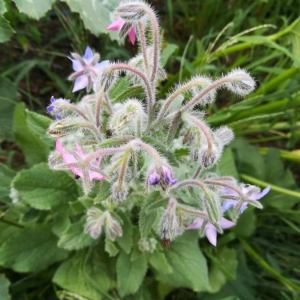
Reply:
x=34, y=8
x=130, y=274
x=188, y=264
x=223, y=268
x=110, y=248
x=162, y=150
x=104, y=191
x=167, y=52
x=2, y=7
x=74, y=237
x=85, y=275
x=45, y=189
x=31, y=250
x=226, y=165
x=8, y=97
x=6, y=176
x=61, y=223
x=148, y=213
x=159, y=262
x=4, y=284
x=38, y=125
x=246, y=224
x=125, y=241
x=34, y=149
x=96, y=15
x=5, y=30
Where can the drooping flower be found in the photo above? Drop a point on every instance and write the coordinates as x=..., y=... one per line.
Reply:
x=251, y=192
x=117, y=26
x=209, y=229
x=162, y=175
x=55, y=108
x=86, y=69
x=73, y=161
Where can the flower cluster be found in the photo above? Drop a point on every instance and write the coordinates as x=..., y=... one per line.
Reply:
x=130, y=143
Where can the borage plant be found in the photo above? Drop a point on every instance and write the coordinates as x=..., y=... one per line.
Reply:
x=124, y=152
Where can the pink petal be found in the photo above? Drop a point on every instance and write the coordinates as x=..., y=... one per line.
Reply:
x=196, y=224
x=132, y=35
x=211, y=234
x=224, y=223
x=76, y=64
x=81, y=82
x=76, y=171
x=59, y=147
x=116, y=25
x=79, y=150
x=95, y=176
x=98, y=162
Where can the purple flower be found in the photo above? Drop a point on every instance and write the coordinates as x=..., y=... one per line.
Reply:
x=117, y=26
x=162, y=175
x=209, y=229
x=54, y=108
x=86, y=69
x=251, y=192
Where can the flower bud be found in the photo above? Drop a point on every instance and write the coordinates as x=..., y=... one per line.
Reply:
x=58, y=108
x=169, y=226
x=112, y=227
x=119, y=191
x=162, y=175
x=224, y=134
x=94, y=222
x=132, y=11
x=213, y=207
x=61, y=128
x=147, y=245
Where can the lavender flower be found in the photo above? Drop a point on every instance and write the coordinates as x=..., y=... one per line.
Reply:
x=250, y=191
x=86, y=69
x=209, y=229
x=162, y=175
x=55, y=108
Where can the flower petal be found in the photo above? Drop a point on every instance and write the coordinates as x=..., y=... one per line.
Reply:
x=81, y=82
x=211, y=234
x=96, y=176
x=116, y=25
x=77, y=66
x=79, y=150
x=103, y=64
x=88, y=53
x=228, y=204
x=262, y=193
x=196, y=224
x=132, y=35
x=224, y=223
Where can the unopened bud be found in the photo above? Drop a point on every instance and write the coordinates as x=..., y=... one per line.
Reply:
x=119, y=191
x=132, y=11
x=112, y=227
x=147, y=245
x=94, y=222
x=58, y=107
x=209, y=158
x=224, y=134
x=213, y=207
x=61, y=128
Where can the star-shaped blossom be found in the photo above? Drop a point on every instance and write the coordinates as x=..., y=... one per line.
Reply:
x=117, y=26
x=73, y=161
x=86, y=69
x=209, y=229
x=251, y=192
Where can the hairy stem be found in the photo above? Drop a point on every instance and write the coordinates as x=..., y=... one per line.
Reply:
x=143, y=46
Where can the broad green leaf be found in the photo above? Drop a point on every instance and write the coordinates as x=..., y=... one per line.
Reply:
x=226, y=165
x=8, y=99
x=223, y=268
x=188, y=264
x=5, y=30
x=61, y=223
x=162, y=150
x=38, y=125
x=130, y=274
x=104, y=191
x=6, y=176
x=34, y=149
x=245, y=224
x=167, y=53
x=159, y=262
x=85, y=275
x=125, y=241
x=74, y=237
x=2, y=7
x=4, y=284
x=148, y=213
x=96, y=15
x=34, y=8
x=45, y=189
x=31, y=250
